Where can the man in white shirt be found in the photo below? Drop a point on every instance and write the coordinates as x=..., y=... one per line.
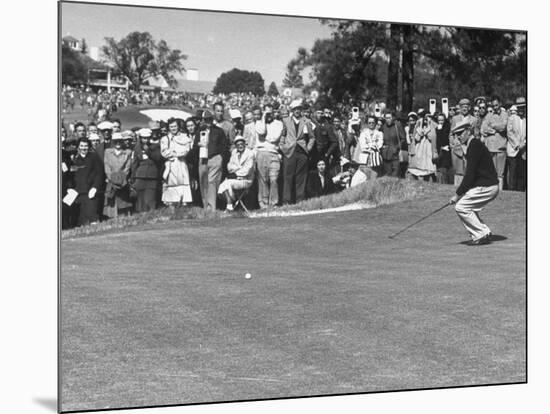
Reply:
x=350, y=178
x=513, y=144
x=268, y=159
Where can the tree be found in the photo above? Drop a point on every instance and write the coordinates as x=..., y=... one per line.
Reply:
x=272, y=90
x=73, y=70
x=237, y=80
x=393, y=49
x=293, y=77
x=138, y=57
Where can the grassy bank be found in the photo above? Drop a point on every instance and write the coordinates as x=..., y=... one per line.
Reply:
x=374, y=193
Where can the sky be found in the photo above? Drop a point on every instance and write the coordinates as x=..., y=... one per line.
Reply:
x=215, y=42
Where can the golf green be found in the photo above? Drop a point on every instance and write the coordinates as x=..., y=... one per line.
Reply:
x=164, y=314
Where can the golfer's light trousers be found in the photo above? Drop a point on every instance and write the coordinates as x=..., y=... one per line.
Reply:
x=470, y=204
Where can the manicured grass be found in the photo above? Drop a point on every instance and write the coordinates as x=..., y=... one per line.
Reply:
x=162, y=314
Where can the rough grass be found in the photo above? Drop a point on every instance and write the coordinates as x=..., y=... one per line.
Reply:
x=385, y=190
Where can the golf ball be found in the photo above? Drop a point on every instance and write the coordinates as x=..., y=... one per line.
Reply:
x=248, y=276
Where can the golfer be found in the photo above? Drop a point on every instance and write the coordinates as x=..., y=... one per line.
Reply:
x=479, y=186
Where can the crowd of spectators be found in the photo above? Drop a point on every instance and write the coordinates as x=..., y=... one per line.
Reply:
x=273, y=152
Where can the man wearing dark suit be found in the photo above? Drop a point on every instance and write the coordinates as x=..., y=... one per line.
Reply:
x=319, y=182
x=85, y=180
x=478, y=187
x=296, y=143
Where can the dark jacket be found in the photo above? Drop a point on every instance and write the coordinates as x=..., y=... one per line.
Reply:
x=325, y=140
x=146, y=168
x=480, y=169
x=442, y=140
x=314, y=188
x=394, y=135
x=218, y=143
x=86, y=174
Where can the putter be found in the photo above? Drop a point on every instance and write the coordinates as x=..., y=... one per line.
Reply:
x=422, y=219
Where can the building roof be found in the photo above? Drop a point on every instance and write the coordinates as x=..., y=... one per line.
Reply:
x=188, y=86
x=70, y=38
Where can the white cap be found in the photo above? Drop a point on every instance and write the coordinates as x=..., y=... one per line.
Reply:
x=145, y=132
x=117, y=135
x=105, y=125
x=297, y=103
x=235, y=113
x=94, y=137
x=513, y=108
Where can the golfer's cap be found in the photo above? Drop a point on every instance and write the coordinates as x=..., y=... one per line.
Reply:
x=128, y=134
x=239, y=138
x=117, y=135
x=145, y=132
x=464, y=101
x=513, y=108
x=461, y=126
x=413, y=114
x=105, y=125
x=93, y=137
x=235, y=113
x=297, y=103
x=154, y=125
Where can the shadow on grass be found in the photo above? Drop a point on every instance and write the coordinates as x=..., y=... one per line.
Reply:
x=494, y=238
x=49, y=403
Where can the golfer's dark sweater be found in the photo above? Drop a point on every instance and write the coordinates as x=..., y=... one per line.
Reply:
x=480, y=170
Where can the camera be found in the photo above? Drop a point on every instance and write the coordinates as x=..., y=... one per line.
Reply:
x=445, y=106
x=355, y=113
x=432, y=106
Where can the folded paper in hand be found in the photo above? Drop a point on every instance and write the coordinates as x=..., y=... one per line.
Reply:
x=70, y=197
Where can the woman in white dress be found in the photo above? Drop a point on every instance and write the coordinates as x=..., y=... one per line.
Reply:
x=421, y=164
x=174, y=147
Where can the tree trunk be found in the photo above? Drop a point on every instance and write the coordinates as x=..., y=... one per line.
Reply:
x=408, y=70
x=393, y=51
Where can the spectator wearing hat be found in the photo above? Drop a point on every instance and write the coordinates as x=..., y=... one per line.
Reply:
x=85, y=180
x=224, y=124
x=145, y=171
x=444, y=162
x=514, y=134
x=479, y=187
x=174, y=148
x=117, y=164
x=493, y=129
x=212, y=147
x=463, y=117
x=394, y=136
x=326, y=143
x=268, y=159
x=236, y=119
x=106, y=131
x=367, y=150
x=319, y=182
x=240, y=171
x=296, y=143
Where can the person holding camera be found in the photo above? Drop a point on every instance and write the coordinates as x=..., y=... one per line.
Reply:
x=212, y=146
x=268, y=159
x=393, y=135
